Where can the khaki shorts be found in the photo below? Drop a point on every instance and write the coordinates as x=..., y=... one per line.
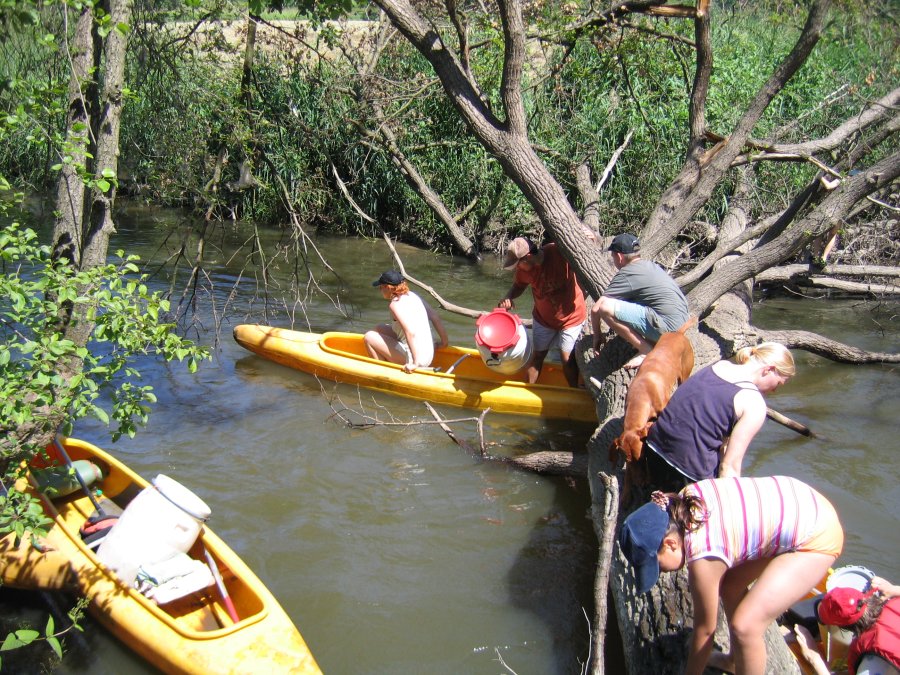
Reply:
x=828, y=536
x=545, y=337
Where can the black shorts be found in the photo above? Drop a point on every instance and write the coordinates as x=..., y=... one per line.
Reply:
x=662, y=475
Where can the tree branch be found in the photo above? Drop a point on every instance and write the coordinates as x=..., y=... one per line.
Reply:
x=833, y=209
x=692, y=188
x=822, y=346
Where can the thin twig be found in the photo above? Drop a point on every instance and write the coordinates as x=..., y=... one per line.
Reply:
x=612, y=160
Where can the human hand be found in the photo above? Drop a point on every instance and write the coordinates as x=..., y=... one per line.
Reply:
x=506, y=303
x=886, y=587
x=409, y=367
x=809, y=651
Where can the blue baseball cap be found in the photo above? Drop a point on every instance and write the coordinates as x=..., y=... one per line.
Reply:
x=641, y=536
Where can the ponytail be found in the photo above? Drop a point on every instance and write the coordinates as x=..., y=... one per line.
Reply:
x=770, y=354
x=686, y=512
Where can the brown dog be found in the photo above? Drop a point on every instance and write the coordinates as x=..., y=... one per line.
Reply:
x=669, y=363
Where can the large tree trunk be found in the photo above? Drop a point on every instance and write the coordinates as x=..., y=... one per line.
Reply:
x=84, y=221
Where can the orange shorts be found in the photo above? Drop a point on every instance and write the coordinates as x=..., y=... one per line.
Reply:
x=828, y=537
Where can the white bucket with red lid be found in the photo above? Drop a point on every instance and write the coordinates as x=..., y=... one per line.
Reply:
x=502, y=341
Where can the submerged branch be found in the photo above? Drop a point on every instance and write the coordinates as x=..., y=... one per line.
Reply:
x=547, y=462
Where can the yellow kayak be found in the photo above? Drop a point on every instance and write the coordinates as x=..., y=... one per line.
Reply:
x=457, y=375
x=190, y=634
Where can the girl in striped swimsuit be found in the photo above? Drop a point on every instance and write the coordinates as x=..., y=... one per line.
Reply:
x=776, y=532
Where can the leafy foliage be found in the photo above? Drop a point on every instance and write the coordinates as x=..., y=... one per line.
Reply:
x=23, y=637
x=39, y=366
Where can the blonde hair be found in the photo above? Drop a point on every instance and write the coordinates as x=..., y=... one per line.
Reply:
x=771, y=354
x=399, y=289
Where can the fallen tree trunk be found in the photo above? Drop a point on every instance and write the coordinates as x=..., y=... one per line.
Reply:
x=823, y=346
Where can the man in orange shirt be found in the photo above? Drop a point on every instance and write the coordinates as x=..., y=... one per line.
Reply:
x=559, y=309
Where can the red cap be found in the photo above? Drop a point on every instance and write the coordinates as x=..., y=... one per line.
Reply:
x=843, y=606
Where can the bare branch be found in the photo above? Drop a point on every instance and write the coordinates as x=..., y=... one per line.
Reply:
x=830, y=349
x=612, y=161
x=784, y=420
x=607, y=526
x=876, y=113
x=449, y=306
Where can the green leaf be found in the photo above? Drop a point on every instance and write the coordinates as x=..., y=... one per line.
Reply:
x=101, y=414
x=20, y=638
x=50, y=628
x=27, y=635
x=54, y=644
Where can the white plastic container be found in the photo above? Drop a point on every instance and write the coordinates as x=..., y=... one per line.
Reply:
x=160, y=522
x=502, y=341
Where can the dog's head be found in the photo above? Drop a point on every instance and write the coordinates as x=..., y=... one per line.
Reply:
x=631, y=442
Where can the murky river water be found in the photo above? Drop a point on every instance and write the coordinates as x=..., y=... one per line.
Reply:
x=391, y=549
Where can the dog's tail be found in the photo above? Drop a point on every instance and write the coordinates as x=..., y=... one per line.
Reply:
x=687, y=325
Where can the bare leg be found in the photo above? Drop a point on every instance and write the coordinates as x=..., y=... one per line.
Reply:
x=382, y=344
x=605, y=309
x=570, y=368
x=534, y=368
x=783, y=580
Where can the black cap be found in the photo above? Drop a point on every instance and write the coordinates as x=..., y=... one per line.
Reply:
x=625, y=243
x=390, y=278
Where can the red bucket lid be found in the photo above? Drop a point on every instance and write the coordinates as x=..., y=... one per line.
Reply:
x=498, y=331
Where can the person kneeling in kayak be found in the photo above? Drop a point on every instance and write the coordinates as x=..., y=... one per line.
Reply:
x=408, y=339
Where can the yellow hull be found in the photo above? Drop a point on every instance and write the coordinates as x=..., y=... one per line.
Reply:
x=342, y=357
x=190, y=635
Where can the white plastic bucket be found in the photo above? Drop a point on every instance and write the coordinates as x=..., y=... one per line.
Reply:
x=850, y=576
x=502, y=342
x=160, y=522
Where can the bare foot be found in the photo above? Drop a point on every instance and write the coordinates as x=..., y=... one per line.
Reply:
x=635, y=363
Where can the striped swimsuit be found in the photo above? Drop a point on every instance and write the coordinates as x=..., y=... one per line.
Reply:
x=754, y=518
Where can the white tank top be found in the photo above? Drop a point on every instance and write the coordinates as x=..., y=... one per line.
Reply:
x=412, y=306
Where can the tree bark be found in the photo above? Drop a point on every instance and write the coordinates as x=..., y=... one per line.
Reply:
x=84, y=212
x=70, y=195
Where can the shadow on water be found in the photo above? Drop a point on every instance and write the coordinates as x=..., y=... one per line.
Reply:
x=552, y=575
